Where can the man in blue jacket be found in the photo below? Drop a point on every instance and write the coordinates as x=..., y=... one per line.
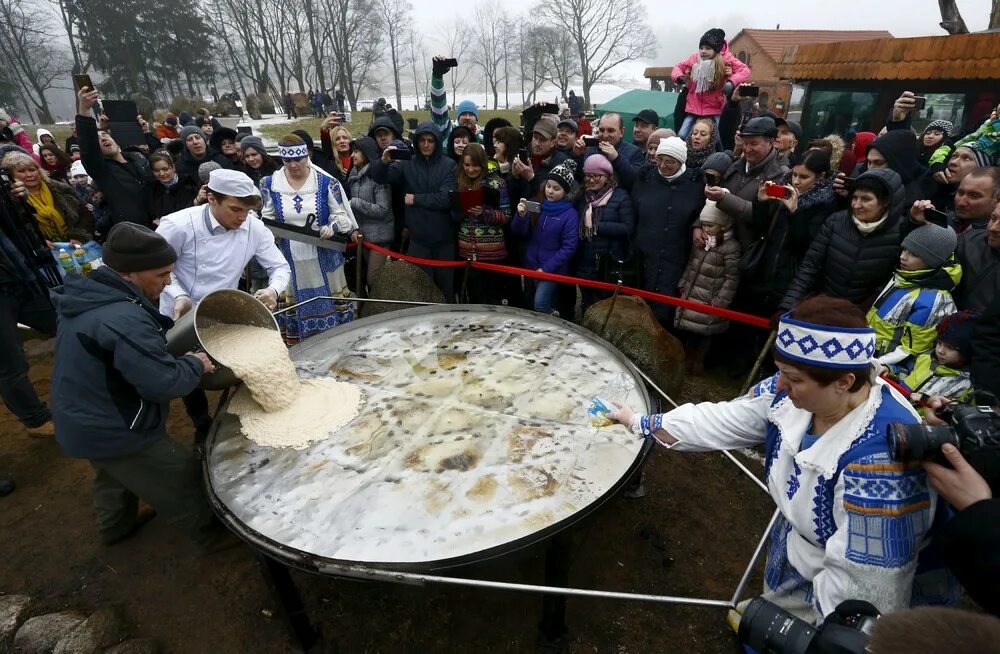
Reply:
x=112, y=384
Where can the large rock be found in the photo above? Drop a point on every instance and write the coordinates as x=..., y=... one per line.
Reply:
x=40, y=634
x=399, y=280
x=103, y=629
x=634, y=330
x=135, y=646
x=14, y=610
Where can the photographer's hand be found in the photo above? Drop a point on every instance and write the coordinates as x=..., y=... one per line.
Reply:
x=86, y=99
x=18, y=191
x=960, y=485
x=904, y=105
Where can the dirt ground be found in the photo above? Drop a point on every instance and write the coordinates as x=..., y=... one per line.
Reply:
x=692, y=536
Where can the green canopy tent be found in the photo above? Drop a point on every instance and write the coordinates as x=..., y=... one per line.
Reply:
x=630, y=103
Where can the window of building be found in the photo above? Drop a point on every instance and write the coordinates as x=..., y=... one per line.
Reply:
x=941, y=106
x=744, y=56
x=837, y=112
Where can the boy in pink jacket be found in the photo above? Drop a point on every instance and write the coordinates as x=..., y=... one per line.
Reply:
x=710, y=75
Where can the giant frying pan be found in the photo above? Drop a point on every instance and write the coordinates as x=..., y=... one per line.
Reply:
x=473, y=442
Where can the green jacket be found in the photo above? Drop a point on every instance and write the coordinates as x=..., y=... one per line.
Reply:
x=986, y=138
x=930, y=377
x=439, y=111
x=907, y=312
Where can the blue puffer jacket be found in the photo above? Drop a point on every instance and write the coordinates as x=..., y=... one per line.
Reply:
x=615, y=223
x=554, y=238
x=430, y=180
x=113, y=378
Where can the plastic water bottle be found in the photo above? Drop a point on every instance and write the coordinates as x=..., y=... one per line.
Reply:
x=66, y=261
x=81, y=258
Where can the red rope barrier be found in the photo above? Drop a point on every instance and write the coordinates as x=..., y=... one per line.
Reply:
x=700, y=307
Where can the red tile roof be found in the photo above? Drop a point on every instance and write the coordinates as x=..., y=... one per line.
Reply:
x=774, y=42
x=967, y=56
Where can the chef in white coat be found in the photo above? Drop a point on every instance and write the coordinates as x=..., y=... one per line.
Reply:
x=214, y=243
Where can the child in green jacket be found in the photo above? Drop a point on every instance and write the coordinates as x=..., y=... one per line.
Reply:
x=906, y=313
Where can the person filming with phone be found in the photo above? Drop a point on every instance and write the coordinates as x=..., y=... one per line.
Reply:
x=790, y=215
x=124, y=178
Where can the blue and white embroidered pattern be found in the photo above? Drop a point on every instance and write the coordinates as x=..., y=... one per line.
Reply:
x=888, y=511
x=830, y=347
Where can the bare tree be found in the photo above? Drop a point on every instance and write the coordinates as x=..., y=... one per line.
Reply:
x=953, y=23
x=356, y=38
x=562, y=59
x=456, y=42
x=606, y=34
x=951, y=17
x=26, y=53
x=489, y=28
x=534, y=62
x=397, y=15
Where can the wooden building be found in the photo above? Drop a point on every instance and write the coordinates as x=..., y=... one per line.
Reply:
x=852, y=85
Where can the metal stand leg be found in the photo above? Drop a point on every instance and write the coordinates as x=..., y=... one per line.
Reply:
x=552, y=630
x=289, y=603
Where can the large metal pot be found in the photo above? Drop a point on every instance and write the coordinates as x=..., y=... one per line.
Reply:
x=227, y=306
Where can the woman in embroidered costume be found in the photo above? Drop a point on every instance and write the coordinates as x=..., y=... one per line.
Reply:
x=853, y=521
x=292, y=194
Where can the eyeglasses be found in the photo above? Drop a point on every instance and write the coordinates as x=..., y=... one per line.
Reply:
x=594, y=176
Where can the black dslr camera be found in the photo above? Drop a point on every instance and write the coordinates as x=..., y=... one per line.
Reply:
x=974, y=430
x=769, y=629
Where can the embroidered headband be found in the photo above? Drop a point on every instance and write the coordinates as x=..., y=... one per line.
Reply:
x=293, y=151
x=823, y=345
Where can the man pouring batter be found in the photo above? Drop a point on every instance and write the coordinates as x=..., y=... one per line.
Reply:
x=214, y=243
x=112, y=384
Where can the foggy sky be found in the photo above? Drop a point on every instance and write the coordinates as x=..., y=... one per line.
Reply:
x=678, y=24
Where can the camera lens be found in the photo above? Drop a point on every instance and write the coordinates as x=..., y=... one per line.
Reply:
x=768, y=628
x=918, y=442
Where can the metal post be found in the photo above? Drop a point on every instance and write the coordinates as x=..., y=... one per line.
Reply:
x=359, y=273
x=753, y=561
x=413, y=577
x=732, y=458
x=760, y=361
x=288, y=602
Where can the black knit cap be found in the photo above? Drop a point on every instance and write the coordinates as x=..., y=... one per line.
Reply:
x=134, y=248
x=563, y=174
x=714, y=38
x=957, y=331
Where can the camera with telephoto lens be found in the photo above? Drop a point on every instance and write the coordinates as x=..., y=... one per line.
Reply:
x=974, y=430
x=769, y=629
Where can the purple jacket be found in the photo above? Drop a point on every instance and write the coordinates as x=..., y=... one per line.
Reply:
x=554, y=239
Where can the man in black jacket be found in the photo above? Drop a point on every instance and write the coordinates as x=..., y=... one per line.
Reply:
x=979, y=253
x=427, y=181
x=123, y=179
x=196, y=152
x=111, y=342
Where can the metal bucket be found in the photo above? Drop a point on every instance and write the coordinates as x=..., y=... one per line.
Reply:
x=227, y=306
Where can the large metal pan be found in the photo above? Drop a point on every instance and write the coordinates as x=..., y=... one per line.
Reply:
x=435, y=473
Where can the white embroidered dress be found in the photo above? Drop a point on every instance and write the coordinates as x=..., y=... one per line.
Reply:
x=852, y=520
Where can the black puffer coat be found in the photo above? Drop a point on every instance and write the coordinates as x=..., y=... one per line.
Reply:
x=164, y=201
x=845, y=263
x=665, y=212
x=786, y=241
x=615, y=223
x=430, y=180
x=901, y=152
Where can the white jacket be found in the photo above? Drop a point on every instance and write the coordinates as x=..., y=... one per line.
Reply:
x=853, y=521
